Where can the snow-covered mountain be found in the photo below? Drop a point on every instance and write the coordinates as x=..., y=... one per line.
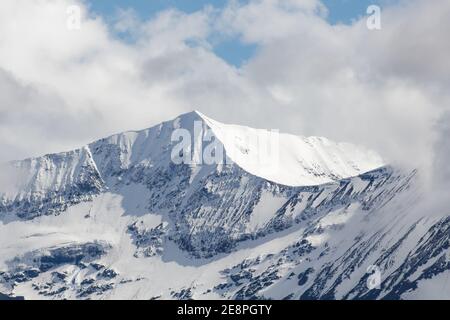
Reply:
x=119, y=218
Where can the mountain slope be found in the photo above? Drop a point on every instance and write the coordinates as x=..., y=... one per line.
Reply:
x=119, y=219
x=211, y=206
x=302, y=160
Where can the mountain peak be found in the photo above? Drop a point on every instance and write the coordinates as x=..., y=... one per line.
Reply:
x=192, y=115
x=283, y=158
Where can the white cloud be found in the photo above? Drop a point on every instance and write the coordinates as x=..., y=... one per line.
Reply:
x=381, y=88
x=384, y=89
x=265, y=21
x=86, y=72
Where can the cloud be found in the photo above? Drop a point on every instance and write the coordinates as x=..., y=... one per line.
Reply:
x=21, y=108
x=266, y=21
x=442, y=152
x=64, y=82
x=386, y=89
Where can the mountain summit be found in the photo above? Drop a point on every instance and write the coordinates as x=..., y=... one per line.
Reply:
x=301, y=160
x=277, y=157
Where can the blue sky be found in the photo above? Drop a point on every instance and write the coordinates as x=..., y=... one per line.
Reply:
x=147, y=8
x=232, y=50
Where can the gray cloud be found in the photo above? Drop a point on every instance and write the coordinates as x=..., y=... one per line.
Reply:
x=442, y=152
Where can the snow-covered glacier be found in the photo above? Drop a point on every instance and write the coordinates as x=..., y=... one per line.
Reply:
x=118, y=218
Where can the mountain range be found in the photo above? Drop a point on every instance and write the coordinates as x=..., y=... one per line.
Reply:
x=274, y=216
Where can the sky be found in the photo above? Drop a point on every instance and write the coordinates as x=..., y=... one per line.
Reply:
x=307, y=67
x=339, y=11
x=231, y=50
